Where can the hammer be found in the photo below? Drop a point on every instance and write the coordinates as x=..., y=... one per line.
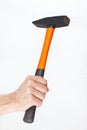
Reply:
x=50, y=23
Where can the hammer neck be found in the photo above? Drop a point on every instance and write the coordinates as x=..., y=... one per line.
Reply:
x=45, y=49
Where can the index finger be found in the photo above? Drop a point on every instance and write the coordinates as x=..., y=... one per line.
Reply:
x=38, y=79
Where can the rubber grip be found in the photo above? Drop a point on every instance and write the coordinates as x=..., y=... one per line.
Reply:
x=30, y=113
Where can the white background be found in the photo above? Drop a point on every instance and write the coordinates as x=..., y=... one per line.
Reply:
x=65, y=106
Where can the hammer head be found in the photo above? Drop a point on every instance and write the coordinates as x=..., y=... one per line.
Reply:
x=54, y=22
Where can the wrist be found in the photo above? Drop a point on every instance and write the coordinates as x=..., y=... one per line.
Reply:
x=7, y=103
x=13, y=103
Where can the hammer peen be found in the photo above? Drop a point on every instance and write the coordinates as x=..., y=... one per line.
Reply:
x=50, y=23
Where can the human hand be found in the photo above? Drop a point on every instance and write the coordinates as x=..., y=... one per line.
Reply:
x=31, y=92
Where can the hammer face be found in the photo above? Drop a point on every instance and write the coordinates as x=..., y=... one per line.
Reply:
x=54, y=22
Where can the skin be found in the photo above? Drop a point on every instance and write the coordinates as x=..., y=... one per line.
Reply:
x=31, y=92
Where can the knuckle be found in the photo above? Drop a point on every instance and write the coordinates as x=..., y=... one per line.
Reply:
x=39, y=103
x=45, y=81
x=44, y=96
x=45, y=89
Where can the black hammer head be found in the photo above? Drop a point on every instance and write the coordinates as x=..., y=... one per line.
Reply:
x=54, y=22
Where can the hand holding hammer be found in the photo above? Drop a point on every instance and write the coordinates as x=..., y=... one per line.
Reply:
x=50, y=23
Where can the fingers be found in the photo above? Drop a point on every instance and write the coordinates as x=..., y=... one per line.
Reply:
x=31, y=92
x=38, y=79
x=37, y=89
x=38, y=83
x=37, y=93
x=40, y=87
x=36, y=101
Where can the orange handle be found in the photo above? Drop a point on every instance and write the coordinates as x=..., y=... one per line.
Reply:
x=45, y=49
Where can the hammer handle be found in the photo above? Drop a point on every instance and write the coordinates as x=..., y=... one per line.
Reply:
x=30, y=113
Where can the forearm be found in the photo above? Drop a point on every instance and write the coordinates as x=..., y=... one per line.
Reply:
x=7, y=104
